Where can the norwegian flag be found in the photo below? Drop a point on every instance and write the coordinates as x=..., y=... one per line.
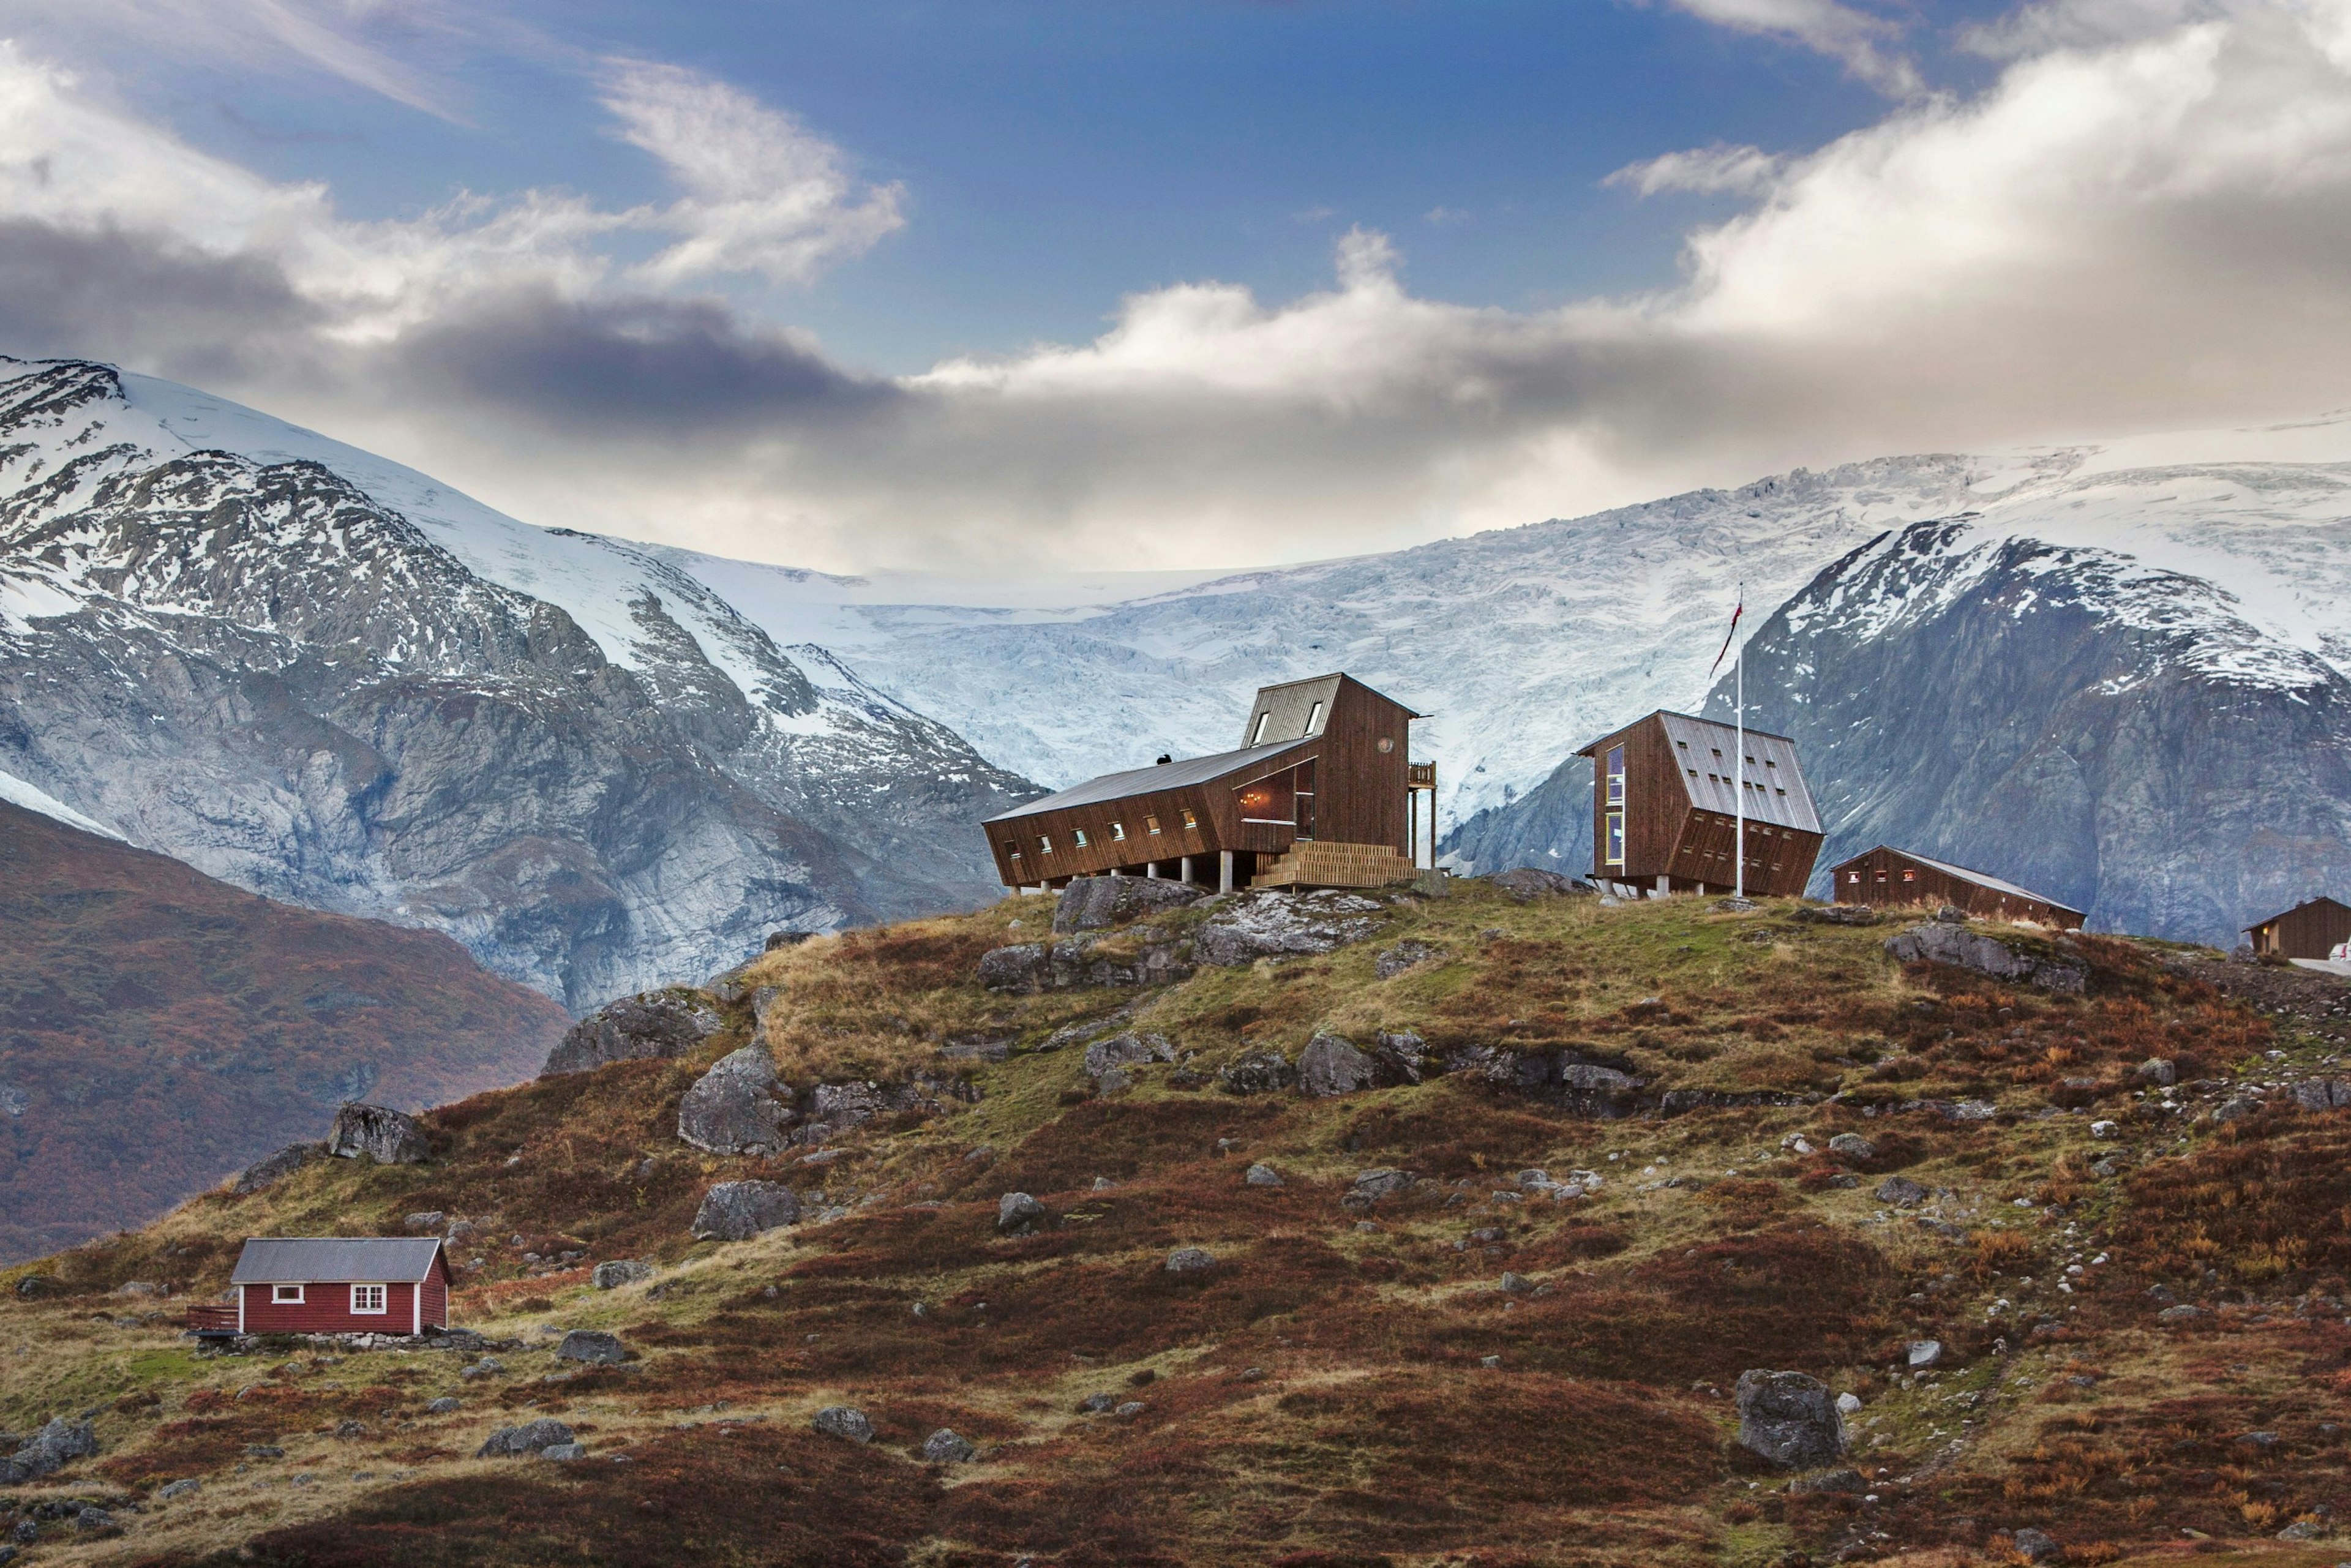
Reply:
x=1736, y=610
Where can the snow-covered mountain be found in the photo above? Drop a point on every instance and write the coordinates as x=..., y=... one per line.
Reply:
x=321, y=676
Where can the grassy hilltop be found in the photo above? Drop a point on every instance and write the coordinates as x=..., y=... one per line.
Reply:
x=1345, y=1384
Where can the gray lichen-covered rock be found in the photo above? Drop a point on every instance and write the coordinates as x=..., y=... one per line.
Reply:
x=1262, y=1174
x=738, y=1211
x=1939, y=942
x=1901, y=1192
x=1098, y=903
x=593, y=1348
x=389, y=1137
x=1384, y=1181
x=531, y=1438
x=1144, y=958
x=844, y=1421
x=267, y=1173
x=1266, y=923
x=1852, y=1146
x=1018, y=1213
x=1330, y=1066
x=2323, y=1093
x=1256, y=1073
x=667, y=1023
x=1790, y=1419
x=943, y=1447
x=1402, y=957
x=1190, y=1261
x=1839, y=914
x=50, y=1450
x=1527, y=883
x=1127, y=1049
x=620, y=1272
x=738, y=1107
x=835, y=1107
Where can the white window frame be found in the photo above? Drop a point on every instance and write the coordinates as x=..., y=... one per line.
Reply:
x=278, y=1298
x=381, y=1295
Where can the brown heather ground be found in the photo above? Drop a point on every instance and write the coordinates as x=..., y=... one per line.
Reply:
x=1370, y=1431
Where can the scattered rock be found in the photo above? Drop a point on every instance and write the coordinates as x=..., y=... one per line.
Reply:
x=531, y=1438
x=1266, y=923
x=1924, y=1353
x=1128, y=1411
x=2323, y=1093
x=2182, y=1313
x=1028, y=967
x=428, y=1220
x=387, y=1137
x=2159, y=1071
x=1528, y=883
x=1847, y=1403
x=564, y=1451
x=2236, y=1110
x=2303, y=1530
x=2036, y=1546
x=50, y=1450
x=488, y=1366
x=1099, y=903
x=593, y=1346
x=1262, y=1174
x=1017, y=1214
x=1852, y=1146
x=1845, y=1481
x=1330, y=1066
x=738, y=1211
x=653, y=1024
x=1096, y=1404
x=844, y=1421
x=738, y=1107
x=1964, y=949
x=30, y=1286
x=778, y=939
x=1383, y=1181
x=1402, y=957
x=171, y=1489
x=1516, y=1284
x=1128, y=1050
x=943, y=1447
x=1789, y=1418
x=1840, y=914
x=618, y=1273
x=93, y=1519
x=445, y=1405
x=267, y=1173
x=1901, y=1192
x=1256, y=1073
x=1189, y=1261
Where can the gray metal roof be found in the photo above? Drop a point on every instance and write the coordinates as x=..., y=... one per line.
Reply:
x=1291, y=711
x=331, y=1259
x=1143, y=780
x=1997, y=884
x=2305, y=903
x=1781, y=796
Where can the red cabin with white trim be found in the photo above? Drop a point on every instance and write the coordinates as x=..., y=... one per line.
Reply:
x=334, y=1284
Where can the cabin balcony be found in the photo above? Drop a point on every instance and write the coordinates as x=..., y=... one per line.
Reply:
x=211, y=1322
x=1317, y=863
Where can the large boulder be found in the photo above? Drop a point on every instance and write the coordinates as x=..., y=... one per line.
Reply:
x=1270, y=923
x=48, y=1450
x=1939, y=942
x=836, y=1107
x=668, y=1023
x=268, y=1172
x=1127, y=1049
x=738, y=1107
x=1790, y=1419
x=738, y=1211
x=389, y=1137
x=1027, y=967
x=844, y=1421
x=593, y=1348
x=531, y=1438
x=1099, y=903
x=1331, y=1065
x=620, y=1272
x=1256, y=1073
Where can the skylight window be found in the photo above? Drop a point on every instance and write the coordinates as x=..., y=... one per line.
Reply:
x=1314, y=719
x=1257, y=736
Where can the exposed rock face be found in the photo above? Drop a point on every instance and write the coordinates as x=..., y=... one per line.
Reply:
x=592, y=1347
x=1099, y=903
x=1143, y=957
x=1127, y=1049
x=667, y=1023
x=1256, y=1073
x=529, y=1439
x=261, y=1175
x=835, y=1107
x=327, y=679
x=1331, y=1065
x=389, y=1137
x=1402, y=957
x=738, y=1107
x=620, y=1272
x=1017, y=1213
x=1789, y=1418
x=1266, y=923
x=1839, y=914
x=1527, y=883
x=1937, y=941
x=48, y=1450
x=1561, y=1078
x=738, y=1211
x=845, y=1421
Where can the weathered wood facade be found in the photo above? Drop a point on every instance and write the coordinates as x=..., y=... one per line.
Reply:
x=1886, y=875
x=1325, y=760
x=1666, y=800
x=2311, y=929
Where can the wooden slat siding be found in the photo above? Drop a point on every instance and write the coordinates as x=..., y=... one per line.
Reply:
x=1881, y=883
x=1778, y=864
x=1656, y=809
x=436, y=1295
x=1102, y=853
x=327, y=1309
x=2308, y=930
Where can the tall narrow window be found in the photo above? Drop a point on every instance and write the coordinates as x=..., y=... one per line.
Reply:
x=1615, y=775
x=1151, y=826
x=1118, y=832
x=1314, y=719
x=1303, y=795
x=1191, y=822
x=1616, y=837
x=1012, y=849
x=1078, y=836
x=1257, y=736
x=1044, y=843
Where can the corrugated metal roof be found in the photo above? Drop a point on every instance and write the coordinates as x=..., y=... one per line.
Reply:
x=1143, y=780
x=1982, y=879
x=331, y=1259
x=1780, y=796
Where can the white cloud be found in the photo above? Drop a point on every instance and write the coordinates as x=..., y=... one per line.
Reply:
x=1855, y=37
x=764, y=194
x=1718, y=170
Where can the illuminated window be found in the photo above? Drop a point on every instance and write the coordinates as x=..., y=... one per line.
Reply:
x=1151, y=825
x=1191, y=822
x=285, y=1295
x=367, y=1299
x=1616, y=837
x=1909, y=876
x=1852, y=877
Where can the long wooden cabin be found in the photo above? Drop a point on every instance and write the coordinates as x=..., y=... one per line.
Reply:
x=1889, y=876
x=2311, y=929
x=1316, y=795
x=1664, y=803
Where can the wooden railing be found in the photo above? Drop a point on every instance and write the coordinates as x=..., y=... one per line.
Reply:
x=212, y=1320
x=1424, y=776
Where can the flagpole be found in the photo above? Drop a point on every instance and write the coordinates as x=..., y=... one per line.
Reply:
x=1739, y=681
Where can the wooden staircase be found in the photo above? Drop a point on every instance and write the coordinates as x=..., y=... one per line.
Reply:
x=1317, y=863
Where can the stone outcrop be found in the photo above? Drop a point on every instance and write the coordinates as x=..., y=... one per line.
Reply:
x=387, y=1137
x=1266, y=923
x=738, y=1211
x=592, y=1347
x=1790, y=1419
x=1331, y=1065
x=666, y=1023
x=530, y=1438
x=48, y=1450
x=1099, y=903
x=264, y=1174
x=1939, y=942
x=738, y=1107
x=836, y=1107
x=1528, y=883
x=1256, y=1073
x=1142, y=956
x=1127, y=1049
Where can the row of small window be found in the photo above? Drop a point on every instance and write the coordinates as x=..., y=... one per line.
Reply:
x=1724, y=855
x=1853, y=878
x=1724, y=778
x=1718, y=755
x=364, y=1298
x=1117, y=832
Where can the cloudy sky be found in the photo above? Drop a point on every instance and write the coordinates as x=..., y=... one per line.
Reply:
x=1099, y=283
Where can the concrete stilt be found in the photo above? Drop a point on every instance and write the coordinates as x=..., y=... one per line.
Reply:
x=1151, y=871
x=1184, y=869
x=1224, y=871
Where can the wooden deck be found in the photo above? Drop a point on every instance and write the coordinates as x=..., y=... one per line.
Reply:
x=1321, y=863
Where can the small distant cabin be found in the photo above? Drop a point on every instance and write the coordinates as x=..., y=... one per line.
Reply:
x=1320, y=792
x=2311, y=929
x=1886, y=875
x=1666, y=802
x=391, y=1284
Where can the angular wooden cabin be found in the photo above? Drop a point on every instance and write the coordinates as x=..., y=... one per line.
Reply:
x=1888, y=876
x=2311, y=929
x=1319, y=794
x=1664, y=803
